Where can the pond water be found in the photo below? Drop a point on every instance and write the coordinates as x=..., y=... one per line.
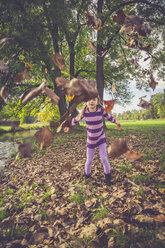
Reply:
x=8, y=145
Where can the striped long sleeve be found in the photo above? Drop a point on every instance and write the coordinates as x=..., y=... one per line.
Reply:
x=94, y=125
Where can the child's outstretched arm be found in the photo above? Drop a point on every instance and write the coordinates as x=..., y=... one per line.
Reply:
x=112, y=119
x=118, y=126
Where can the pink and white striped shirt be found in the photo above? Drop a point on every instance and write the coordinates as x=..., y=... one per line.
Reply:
x=94, y=125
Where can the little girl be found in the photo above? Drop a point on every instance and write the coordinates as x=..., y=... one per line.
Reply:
x=92, y=113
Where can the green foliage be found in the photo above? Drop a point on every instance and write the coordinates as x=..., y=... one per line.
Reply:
x=127, y=167
x=3, y=214
x=77, y=198
x=141, y=178
x=100, y=213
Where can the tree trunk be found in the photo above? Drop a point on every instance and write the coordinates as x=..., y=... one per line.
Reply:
x=99, y=58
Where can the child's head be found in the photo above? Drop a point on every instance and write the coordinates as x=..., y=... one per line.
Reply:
x=93, y=103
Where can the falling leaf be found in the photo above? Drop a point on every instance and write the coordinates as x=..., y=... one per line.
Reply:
x=93, y=21
x=145, y=104
x=25, y=149
x=82, y=89
x=4, y=69
x=65, y=123
x=109, y=105
x=4, y=93
x=54, y=98
x=145, y=59
x=3, y=40
x=119, y=17
x=119, y=60
x=45, y=137
x=132, y=24
x=54, y=124
x=134, y=61
x=145, y=48
x=59, y=61
x=23, y=76
x=113, y=87
x=46, y=70
x=32, y=93
x=153, y=83
x=117, y=148
x=69, y=98
x=131, y=155
x=92, y=46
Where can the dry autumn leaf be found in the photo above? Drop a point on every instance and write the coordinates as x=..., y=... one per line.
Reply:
x=132, y=24
x=145, y=104
x=23, y=76
x=45, y=137
x=4, y=93
x=4, y=69
x=93, y=21
x=131, y=155
x=25, y=149
x=54, y=124
x=117, y=148
x=32, y=93
x=59, y=61
x=92, y=46
x=54, y=98
x=109, y=105
x=153, y=83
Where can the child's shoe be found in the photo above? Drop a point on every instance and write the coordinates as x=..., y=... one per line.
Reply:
x=108, y=179
x=86, y=176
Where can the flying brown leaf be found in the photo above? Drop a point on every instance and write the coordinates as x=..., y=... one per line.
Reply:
x=119, y=17
x=92, y=46
x=54, y=124
x=59, y=61
x=32, y=93
x=113, y=87
x=93, y=21
x=109, y=105
x=4, y=93
x=4, y=69
x=145, y=104
x=82, y=89
x=117, y=148
x=54, y=98
x=134, y=61
x=78, y=87
x=45, y=137
x=153, y=83
x=131, y=24
x=3, y=40
x=131, y=155
x=145, y=48
x=25, y=149
x=65, y=123
x=23, y=76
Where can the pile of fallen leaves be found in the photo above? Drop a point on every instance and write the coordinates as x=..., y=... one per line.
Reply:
x=46, y=202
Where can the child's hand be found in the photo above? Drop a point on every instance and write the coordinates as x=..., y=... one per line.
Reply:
x=66, y=129
x=118, y=126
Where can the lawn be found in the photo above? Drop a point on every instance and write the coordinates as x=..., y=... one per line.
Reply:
x=46, y=202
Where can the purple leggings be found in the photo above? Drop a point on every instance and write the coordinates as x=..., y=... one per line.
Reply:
x=103, y=157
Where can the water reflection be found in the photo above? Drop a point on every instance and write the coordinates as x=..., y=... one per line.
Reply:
x=8, y=145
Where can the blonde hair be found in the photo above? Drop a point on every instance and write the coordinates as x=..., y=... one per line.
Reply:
x=85, y=107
